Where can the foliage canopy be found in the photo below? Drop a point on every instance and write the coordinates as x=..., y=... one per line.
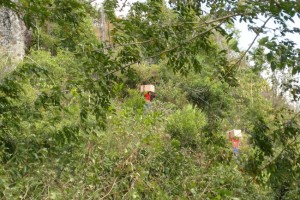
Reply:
x=72, y=127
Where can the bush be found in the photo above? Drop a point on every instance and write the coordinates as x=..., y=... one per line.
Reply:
x=7, y=62
x=135, y=101
x=186, y=125
x=171, y=93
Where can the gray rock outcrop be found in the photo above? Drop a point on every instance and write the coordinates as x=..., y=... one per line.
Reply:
x=12, y=40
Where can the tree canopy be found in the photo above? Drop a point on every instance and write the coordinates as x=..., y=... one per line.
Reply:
x=74, y=125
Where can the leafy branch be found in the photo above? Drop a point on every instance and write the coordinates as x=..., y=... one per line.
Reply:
x=203, y=24
x=128, y=44
x=167, y=50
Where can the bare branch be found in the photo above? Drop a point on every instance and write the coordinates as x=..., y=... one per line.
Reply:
x=109, y=190
x=257, y=34
x=124, y=4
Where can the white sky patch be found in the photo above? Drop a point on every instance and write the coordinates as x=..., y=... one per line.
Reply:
x=247, y=36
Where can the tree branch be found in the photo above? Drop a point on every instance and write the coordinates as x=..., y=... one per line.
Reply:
x=109, y=190
x=128, y=44
x=257, y=34
x=204, y=23
x=124, y=4
x=282, y=150
x=53, y=82
x=166, y=50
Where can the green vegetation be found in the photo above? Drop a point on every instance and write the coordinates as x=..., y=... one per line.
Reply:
x=74, y=125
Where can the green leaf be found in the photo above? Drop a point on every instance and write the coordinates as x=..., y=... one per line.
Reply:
x=233, y=44
x=273, y=65
x=263, y=40
x=269, y=56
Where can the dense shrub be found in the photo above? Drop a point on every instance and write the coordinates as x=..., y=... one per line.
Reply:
x=135, y=101
x=185, y=126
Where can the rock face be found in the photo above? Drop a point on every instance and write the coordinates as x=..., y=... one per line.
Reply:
x=12, y=40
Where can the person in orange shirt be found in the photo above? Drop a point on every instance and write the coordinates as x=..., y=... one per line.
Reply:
x=147, y=96
x=235, y=143
x=148, y=99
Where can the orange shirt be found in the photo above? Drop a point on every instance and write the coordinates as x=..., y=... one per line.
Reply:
x=235, y=143
x=147, y=97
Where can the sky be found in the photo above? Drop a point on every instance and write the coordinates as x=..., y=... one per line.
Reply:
x=246, y=36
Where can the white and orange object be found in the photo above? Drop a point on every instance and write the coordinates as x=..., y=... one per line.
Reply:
x=147, y=88
x=234, y=133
